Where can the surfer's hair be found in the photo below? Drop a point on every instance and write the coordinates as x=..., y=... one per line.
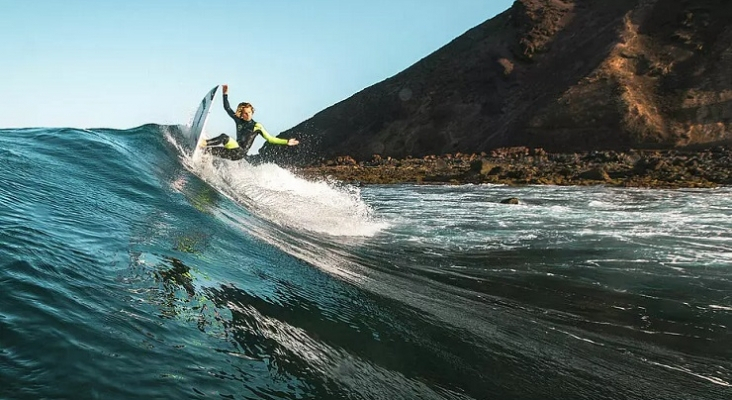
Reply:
x=244, y=105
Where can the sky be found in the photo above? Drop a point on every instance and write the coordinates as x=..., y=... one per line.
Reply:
x=122, y=64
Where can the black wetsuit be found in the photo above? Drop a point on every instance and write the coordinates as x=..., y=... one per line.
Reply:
x=246, y=131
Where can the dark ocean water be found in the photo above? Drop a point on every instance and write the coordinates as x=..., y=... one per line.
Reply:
x=130, y=270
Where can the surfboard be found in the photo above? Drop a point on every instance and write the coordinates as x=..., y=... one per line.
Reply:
x=198, y=124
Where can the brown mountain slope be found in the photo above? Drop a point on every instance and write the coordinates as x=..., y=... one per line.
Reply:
x=564, y=75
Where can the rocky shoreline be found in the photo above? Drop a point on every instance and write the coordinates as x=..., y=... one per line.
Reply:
x=525, y=166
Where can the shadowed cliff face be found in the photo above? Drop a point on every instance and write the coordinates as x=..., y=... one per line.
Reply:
x=563, y=75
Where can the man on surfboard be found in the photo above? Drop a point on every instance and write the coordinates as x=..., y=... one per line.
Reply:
x=246, y=130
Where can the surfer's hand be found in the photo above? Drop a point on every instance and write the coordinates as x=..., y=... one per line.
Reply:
x=292, y=142
x=225, y=88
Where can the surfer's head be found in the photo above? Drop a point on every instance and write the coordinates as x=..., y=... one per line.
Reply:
x=245, y=111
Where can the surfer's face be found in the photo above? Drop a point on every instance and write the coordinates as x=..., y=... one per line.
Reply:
x=245, y=113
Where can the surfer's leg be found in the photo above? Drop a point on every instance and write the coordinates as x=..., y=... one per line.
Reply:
x=237, y=154
x=217, y=151
x=231, y=154
x=218, y=140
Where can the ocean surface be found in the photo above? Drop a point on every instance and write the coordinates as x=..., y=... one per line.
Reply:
x=131, y=270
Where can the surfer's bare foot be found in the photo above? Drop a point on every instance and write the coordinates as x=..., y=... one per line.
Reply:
x=202, y=143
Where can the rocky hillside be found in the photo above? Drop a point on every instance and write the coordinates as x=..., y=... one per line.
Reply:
x=562, y=75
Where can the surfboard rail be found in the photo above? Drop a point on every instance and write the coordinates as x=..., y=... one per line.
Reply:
x=198, y=124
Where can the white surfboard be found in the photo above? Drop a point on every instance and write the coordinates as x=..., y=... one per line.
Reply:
x=198, y=124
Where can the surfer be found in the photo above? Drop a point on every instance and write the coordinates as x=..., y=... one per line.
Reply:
x=246, y=130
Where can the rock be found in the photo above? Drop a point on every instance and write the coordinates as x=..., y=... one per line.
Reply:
x=512, y=200
x=481, y=166
x=668, y=169
x=595, y=174
x=441, y=165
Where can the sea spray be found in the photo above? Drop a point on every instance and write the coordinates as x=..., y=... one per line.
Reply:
x=284, y=198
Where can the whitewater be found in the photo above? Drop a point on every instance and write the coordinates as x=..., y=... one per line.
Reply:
x=131, y=269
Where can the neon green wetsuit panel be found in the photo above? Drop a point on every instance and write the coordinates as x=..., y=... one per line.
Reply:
x=267, y=136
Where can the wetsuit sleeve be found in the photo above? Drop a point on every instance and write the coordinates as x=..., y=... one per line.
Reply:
x=227, y=107
x=271, y=139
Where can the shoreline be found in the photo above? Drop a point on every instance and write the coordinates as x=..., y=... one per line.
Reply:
x=517, y=166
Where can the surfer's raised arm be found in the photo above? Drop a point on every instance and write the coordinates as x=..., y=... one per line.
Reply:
x=225, y=97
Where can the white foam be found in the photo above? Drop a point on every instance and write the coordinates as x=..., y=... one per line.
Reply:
x=280, y=196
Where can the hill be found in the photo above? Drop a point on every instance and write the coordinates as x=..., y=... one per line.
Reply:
x=562, y=75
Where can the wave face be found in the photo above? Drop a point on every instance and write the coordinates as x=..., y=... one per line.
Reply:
x=131, y=269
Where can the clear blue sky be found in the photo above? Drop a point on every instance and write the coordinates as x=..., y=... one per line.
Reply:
x=121, y=64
